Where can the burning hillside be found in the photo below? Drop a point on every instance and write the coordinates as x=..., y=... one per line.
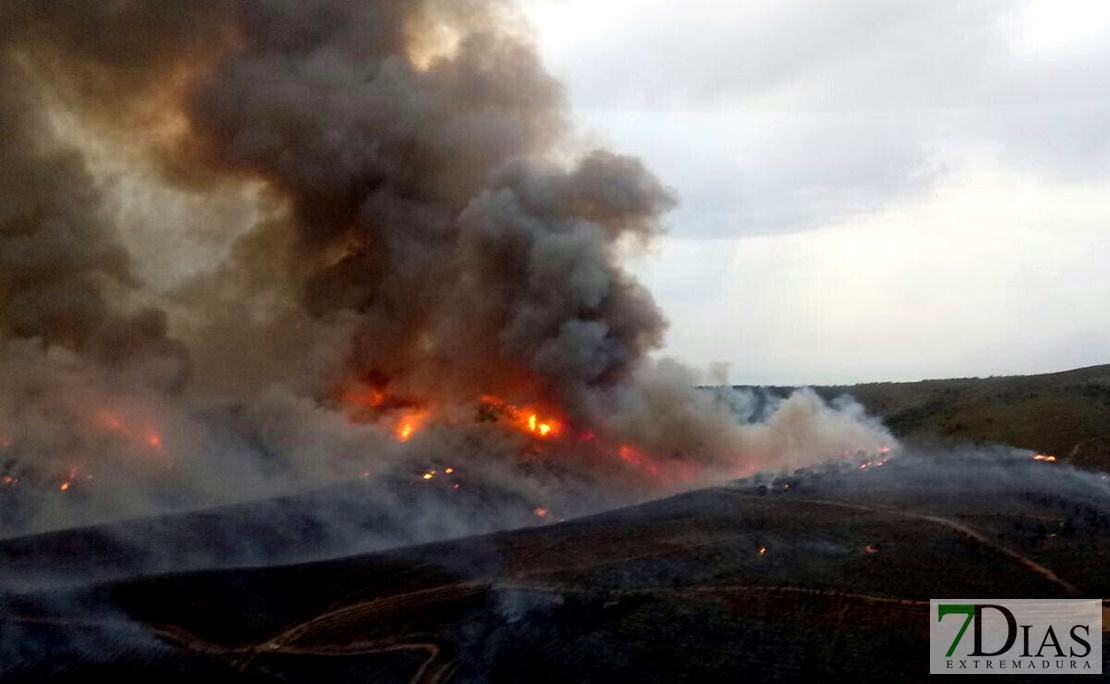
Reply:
x=824, y=564
x=378, y=250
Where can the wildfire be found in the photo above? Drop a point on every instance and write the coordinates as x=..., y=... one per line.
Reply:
x=409, y=424
x=631, y=454
x=366, y=397
x=150, y=437
x=763, y=550
x=525, y=418
x=431, y=474
x=1044, y=457
x=371, y=403
x=868, y=464
x=71, y=477
x=405, y=430
x=541, y=512
x=543, y=429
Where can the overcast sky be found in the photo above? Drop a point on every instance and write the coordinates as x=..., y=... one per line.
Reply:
x=870, y=190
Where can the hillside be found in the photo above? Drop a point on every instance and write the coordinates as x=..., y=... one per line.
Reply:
x=1065, y=414
x=827, y=579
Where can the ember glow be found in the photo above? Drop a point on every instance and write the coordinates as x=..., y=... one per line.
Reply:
x=525, y=419
x=366, y=397
x=148, y=437
x=631, y=454
x=1044, y=457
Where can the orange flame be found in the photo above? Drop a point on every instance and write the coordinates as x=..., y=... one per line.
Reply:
x=1044, y=457
x=372, y=403
x=409, y=424
x=526, y=418
x=543, y=428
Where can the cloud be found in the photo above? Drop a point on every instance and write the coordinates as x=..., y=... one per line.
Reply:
x=794, y=55
x=793, y=116
x=749, y=173
x=994, y=274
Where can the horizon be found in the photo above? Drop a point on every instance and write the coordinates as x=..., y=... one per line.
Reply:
x=851, y=383
x=734, y=384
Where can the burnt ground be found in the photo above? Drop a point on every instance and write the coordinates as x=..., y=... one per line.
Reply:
x=673, y=590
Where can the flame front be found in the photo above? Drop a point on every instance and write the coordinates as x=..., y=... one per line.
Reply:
x=525, y=419
x=406, y=416
x=405, y=430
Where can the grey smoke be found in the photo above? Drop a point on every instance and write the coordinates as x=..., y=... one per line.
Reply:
x=424, y=227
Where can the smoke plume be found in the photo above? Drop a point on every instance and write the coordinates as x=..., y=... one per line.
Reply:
x=422, y=267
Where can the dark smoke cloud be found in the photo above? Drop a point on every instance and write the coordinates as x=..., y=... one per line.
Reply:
x=419, y=197
x=425, y=229
x=55, y=248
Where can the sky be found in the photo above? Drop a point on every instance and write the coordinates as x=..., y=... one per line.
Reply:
x=870, y=190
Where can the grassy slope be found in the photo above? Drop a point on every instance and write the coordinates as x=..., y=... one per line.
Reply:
x=1065, y=414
